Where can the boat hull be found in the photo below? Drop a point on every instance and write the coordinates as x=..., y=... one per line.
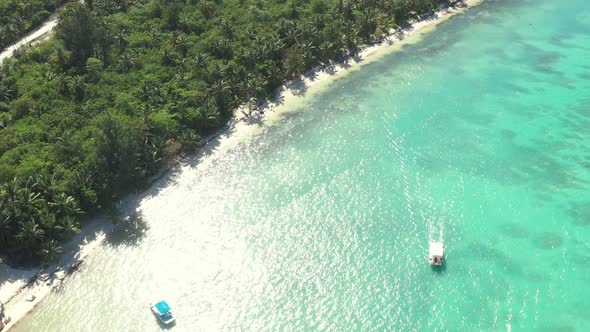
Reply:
x=166, y=318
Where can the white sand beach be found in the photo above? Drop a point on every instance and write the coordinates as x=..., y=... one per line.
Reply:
x=22, y=289
x=295, y=91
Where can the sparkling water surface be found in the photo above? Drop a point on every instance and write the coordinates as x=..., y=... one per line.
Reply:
x=479, y=135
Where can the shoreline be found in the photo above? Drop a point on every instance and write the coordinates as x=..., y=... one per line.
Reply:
x=312, y=82
x=23, y=289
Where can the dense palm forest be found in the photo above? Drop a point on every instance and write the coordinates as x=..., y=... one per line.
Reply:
x=19, y=16
x=89, y=115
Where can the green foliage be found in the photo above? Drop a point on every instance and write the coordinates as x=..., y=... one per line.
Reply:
x=19, y=16
x=89, y=115
x=35, y=214
x=76, y=29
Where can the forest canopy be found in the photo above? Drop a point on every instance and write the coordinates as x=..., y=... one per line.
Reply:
x=123, y=86
x=19, y=16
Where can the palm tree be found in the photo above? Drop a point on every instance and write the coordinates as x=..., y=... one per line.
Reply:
x=11, y=33
x=222, y=48
x=127, y=61
x=208, y=117
x=48, y=223
x=9, y=190
x=50, y=75
x=145, y=93
x=29, y=202
x=252, y=87
x=5, y=94
x=294, y=5
x=167, y=58
x=275, y=47
x=183, y=76
x=6, y=122
x=152, y=96
x=154, y=33
x=121, y=38
x=69, y=226
x=6, y=229
x=366, y=23
x=227, y=28
x=339, y=7
x=152, y=153
x=326, y=51
x=207, y=8
x=200, y=60
x=274, y=76
x=251, y=32
x=38, y=110
x=292, y=36
x=8, y=198
x=3, y=35
x=283, y=27
x=190, y=139
x=248, y=57
x=218, y=71
x=180, y=43
x=309, y=53
x=77, y=86
x=309, y=30
x=82, y=187
x=62, y=85
x=347, y=9
x=50, y=251
x=122, y=5
x=293, y=60
x=220, y=91
x=64, y=205
x=29, y=236
x=20, y=23
x=47, y=183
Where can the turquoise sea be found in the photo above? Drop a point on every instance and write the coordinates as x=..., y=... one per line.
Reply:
x=478, y=135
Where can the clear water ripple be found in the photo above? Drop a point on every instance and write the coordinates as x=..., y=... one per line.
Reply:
x=479, y=135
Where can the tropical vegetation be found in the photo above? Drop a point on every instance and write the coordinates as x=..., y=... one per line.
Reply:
x=92, y=113
x=19, y=16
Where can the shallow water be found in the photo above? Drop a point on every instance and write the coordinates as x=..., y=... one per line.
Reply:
x=479, y=136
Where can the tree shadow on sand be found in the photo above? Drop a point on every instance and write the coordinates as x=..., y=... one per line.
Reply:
x=128, y=231
x=297, y=87
x=311, y=75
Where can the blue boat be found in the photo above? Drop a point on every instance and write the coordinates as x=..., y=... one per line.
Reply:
x=163, y=311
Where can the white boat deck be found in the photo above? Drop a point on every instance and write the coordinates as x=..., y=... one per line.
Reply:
x=436, y=253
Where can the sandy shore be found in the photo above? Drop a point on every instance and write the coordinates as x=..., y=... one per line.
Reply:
x=297, y=91
x=22, y=290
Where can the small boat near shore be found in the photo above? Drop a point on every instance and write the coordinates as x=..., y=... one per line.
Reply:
x=163, y=311
x=436, y=253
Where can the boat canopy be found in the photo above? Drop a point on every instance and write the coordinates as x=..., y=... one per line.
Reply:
x=162, y=307
x=436, y=249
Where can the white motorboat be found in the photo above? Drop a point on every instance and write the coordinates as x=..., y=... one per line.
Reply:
x=436, y=253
